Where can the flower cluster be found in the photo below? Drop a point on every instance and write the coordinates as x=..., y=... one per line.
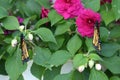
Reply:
x=86, y=18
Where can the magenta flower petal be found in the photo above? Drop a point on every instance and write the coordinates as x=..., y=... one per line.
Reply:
x=86, y=21
x=68, y=8
x=44, y=12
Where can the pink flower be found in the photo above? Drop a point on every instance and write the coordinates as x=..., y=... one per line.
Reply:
x=20, y=20
x=44, y=12
x=105, y=1
x=68, y=8
x=86, y=21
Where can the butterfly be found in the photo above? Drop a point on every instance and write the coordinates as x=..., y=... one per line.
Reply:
x=96, y=37
x=25, y=55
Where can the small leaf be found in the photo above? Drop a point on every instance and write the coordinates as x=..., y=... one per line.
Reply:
x=107, y=16
x=74, y=44
x=62, y=28
x=1, y=31
x=45, y=3
x=89, y=44
x=95, y=57
x=60, y=40
x=51, y=74
x=42, y=56
x=10, y=23
x=104, y=34
x=14, y=65
x=115, y=78
x=116, y=8
x=115, y=32
x=109, y=49
x=2, y=67
x=41, y=21
x=64, y=77
x=45, y=34
x=59, y=57
x=97, y=75
x=37, y=70
x=113, y=64
x=79, y=60
x=93, y=4
x=3, y=12
x=54, y=17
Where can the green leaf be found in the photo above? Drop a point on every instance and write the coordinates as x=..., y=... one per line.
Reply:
x=41, y=21
x=115, y=78
x=42, y=56
x=109, y=49
x=2, y=67
x=59, y=40
x=50, y=74
x=95, y=57
x=5, y=4
x=37, y=70
x=78, y=76
x=62, y=28
x=113, y=64
x=97, y=75
x=64, y=77
x=54, y=17
x=116, y=8
x=79, y=60
x=104, y=34
x=1, y=31
x=107, y=16
x=46, y=35
x=89, y=44
x=44, y=3
x=59, y=57
x=93, y=4
x=14, y=65
x=28, y=8
x=74, y=44
x=20, y=78
x=3, y=12
x=10, y=23
x=115, y=32
x=11, y=50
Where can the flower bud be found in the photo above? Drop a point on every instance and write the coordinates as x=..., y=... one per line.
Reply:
x=21, y=27
x=91, y=63
x=81, y=68
x=30, y=36
x=98, y=66
x=14, y=42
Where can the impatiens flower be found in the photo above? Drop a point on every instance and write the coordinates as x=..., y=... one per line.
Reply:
x=14, y=42
x=20, y=20
x=86, y=21
x=105, y=1
x=91, y=63
x=21, y=27
x=30, y=36
x=81, y=68
x=44, y=12
x=68, y=8
x=98, y=67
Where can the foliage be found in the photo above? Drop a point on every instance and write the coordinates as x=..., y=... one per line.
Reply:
x=55, y=41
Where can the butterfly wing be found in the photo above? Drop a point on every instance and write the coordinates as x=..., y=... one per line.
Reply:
x=25, y=55
x=96, y=38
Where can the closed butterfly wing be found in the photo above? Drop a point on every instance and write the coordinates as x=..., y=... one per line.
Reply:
x=25, y=55
x=96, y=38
